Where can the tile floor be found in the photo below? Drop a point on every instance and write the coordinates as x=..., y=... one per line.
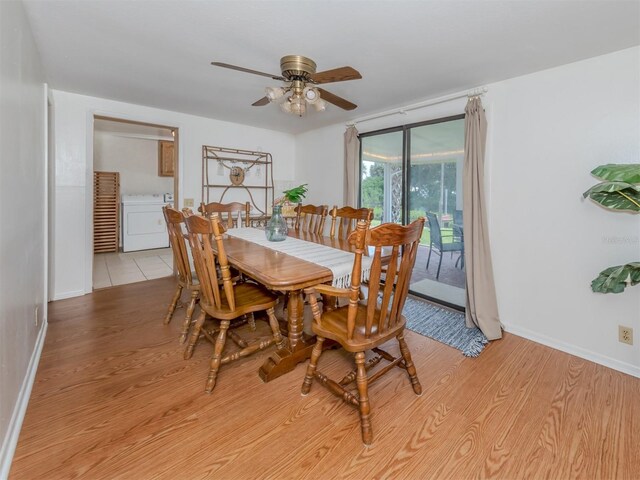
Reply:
x=111, y=269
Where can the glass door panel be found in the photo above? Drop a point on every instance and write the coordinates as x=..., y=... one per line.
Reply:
x=436, y=155
x=381, y=176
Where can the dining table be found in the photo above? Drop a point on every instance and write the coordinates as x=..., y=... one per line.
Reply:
x=284, y=273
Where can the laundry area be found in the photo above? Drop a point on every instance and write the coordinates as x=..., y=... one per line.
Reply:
x=133, y=180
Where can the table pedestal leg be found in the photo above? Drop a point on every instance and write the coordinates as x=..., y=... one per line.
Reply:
x=299, y=345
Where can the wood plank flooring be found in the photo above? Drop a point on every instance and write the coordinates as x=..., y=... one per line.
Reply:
x=113, y=399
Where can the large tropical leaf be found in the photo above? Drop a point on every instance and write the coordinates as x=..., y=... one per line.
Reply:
x=616, y=195
x=628, y=172
x=615, y=279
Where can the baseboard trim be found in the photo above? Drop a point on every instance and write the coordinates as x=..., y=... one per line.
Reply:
x=13, y=432
x=574, y=350
x=62, y=296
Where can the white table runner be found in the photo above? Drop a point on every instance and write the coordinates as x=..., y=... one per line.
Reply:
x=338, y=261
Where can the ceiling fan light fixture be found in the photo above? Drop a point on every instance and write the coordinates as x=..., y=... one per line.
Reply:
x=300, y=76
x=320, y=105
x=274, y=93
x=298, y=105
x=286, y=106
x=311, y=95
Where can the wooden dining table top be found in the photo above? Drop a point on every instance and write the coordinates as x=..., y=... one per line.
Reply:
x=279, y=271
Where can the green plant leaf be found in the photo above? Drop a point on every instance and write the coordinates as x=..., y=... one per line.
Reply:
x=627, y=172
x=296, y=194
x=615, y=195
x=615, y=279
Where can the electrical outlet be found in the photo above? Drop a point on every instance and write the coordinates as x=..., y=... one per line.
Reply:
x=625, y=334
x=188, y=202
x=36, y=315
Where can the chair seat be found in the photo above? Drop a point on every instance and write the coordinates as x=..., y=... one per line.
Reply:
x=334, y=326
x=249, y=298
x=451, y=247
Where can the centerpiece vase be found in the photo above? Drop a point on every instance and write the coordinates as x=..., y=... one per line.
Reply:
x=276, y=230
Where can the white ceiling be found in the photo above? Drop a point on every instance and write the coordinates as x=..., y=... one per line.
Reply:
x=158, y=52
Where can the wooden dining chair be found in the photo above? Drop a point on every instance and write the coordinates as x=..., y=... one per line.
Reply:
x=310, y=219
x=177, y=241
x=345, y=219
x=230, y=214
x=225, y=302
x=365, y=325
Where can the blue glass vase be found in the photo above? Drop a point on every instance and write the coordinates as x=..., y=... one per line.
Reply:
x=276, y=230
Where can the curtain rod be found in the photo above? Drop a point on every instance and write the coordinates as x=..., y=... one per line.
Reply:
x=476, y=92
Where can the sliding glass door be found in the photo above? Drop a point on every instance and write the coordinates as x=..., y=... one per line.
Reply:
x=381, y=176
x=413, y=171
x=436, y=154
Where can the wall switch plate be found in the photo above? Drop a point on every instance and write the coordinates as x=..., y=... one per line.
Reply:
x=188, y=202
x=625, y=334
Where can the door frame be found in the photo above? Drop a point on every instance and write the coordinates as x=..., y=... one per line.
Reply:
x=406, y=178
x=91, y=117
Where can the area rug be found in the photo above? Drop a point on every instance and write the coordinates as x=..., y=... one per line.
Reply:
x=443, y=325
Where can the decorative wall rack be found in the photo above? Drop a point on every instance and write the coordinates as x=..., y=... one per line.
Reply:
x=233, y=175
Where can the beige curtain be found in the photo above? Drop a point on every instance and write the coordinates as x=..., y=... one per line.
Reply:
x=482, y=307
x=351, y=166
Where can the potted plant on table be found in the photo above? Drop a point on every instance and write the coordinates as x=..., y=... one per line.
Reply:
x=291, y=198
x=619, y=190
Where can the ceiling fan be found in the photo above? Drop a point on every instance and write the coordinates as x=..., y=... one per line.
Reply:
x=300, y=77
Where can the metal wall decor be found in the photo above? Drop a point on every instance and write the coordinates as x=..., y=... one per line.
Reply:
x=234, y=175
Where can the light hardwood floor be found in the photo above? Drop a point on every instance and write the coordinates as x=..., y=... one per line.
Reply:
x=113, y=398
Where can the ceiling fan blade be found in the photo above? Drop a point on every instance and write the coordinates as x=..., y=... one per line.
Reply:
x=336, y=100
x=259, y=103
x=341, y=74
x=247, y=70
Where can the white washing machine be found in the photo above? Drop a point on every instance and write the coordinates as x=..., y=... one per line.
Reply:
x=143, y=226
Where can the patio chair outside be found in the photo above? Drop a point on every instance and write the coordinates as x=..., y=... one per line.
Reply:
x=436, y=242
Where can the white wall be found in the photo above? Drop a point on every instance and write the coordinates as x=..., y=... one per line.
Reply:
x=550, y=130
x=321, y=164
x=136, y=159
x=22, y=220
x=547, y=131
x=74, y=167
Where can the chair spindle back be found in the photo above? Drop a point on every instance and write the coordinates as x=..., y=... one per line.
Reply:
x=178, y=243
x=310, y=219
x=230, y=214
x=204, y=235
x=346, y=219
x=403, y=242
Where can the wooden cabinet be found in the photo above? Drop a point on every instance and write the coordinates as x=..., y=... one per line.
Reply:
x=166, y=156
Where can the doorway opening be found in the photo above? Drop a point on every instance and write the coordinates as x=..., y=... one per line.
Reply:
x=135, y=173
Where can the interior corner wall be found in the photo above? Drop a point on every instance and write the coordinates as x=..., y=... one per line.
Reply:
x=74, y=166
x=22, y=196
x=546, y=132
